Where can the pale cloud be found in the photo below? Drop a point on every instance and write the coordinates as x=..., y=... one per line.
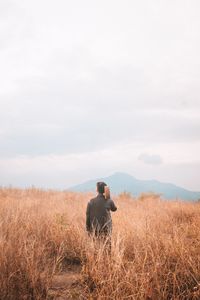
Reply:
x=86, y=81
x=63, y=171
x=152, y=159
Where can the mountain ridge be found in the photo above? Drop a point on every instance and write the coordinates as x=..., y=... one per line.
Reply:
x=120, y=182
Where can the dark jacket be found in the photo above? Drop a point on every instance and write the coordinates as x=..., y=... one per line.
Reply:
x=98, y=217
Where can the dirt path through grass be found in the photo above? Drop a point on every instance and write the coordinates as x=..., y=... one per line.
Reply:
x=66, y=284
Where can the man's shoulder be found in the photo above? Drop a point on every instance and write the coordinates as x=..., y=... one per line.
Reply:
x=91, y=200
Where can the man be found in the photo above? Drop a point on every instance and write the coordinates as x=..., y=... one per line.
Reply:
x=98, y=216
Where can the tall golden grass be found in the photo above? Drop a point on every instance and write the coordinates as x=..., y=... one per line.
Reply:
x=155, y=247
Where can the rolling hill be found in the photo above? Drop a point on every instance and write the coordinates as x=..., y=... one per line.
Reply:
x=120, y=182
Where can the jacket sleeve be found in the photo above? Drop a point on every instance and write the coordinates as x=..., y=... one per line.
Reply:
x=113, y=207
x=88, y=224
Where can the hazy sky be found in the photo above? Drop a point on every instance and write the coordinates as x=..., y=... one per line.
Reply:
x=88, y=88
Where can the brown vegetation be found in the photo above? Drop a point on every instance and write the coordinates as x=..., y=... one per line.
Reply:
x=155, y=248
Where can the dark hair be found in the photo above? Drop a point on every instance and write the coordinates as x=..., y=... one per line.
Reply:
x=100, y=187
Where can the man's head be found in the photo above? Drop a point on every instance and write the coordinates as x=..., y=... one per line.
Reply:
x=100, y=187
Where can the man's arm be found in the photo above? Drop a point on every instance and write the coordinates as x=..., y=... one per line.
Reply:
x=88, y=225
x=113, y=207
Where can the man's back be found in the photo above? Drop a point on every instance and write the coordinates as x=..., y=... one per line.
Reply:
x=98, y=217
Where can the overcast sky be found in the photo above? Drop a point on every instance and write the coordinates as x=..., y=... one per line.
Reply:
x=89, y=88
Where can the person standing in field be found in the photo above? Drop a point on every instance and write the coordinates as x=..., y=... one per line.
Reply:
x=98, y=216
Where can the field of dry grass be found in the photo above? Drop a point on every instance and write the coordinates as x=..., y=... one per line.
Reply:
x=155, y=248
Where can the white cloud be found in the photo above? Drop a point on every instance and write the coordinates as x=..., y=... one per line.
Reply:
x=66, y=170
x=87, y=78
x=152, y=159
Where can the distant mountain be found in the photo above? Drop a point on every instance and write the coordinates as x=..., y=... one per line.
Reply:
x=120, y=182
